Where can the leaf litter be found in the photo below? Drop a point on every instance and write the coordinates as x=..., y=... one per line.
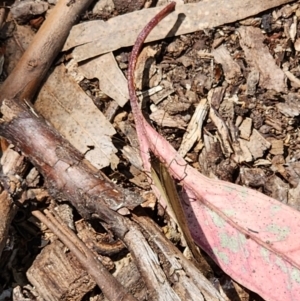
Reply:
x=216, y=213
x=250, y=235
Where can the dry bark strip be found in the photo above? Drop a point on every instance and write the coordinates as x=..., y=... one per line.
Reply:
x=122, y=32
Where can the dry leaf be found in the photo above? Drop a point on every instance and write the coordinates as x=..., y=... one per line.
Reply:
x=111, y=79
x=64, y=104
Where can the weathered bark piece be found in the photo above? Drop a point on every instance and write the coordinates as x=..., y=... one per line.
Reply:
x=122, y=32
x=164, y=119
x=178, y=268
x=87, y=259
x=25, y=79
x=257, y=144
x=258, y=57
x=7, y=213
x=23, y=11
x=223, y=131
x=232, y=70
x=194, y=129
x=69, y=282
x=246, y=128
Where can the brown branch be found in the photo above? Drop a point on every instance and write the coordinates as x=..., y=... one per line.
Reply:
x=32, y=68
x=67, y=175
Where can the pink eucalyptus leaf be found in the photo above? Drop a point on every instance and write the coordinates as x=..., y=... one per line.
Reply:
x=251, y=236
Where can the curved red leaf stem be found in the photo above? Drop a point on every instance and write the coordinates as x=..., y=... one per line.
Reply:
x=135, y=53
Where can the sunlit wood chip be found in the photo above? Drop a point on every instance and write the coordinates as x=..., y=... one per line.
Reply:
x=246, y=128
x=193, y=132
x=232, y=70
x=258, y=144
x=252, y=81
x=258, y=56
x=68, y=108
x=162, y=118
x=276, y=146
x=112, y=81
x=241, y=152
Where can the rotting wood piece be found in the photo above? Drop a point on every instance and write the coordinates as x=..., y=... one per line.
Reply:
x=69, y=282
x=12, y=169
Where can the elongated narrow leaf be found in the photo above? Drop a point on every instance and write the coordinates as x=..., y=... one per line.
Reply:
x=251, y=236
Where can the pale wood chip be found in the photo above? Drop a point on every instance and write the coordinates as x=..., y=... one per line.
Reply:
x=70, y=281
x=258, y=144
x=68, y=108
x=162, y=118
x=111, y=79
x=293, y=197
x=252, y=81
x=241, y=151
x=97, y=37
x=246, y=128
x=193, y=131
x=276, y=146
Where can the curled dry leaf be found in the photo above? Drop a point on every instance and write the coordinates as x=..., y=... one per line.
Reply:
x=251, y=236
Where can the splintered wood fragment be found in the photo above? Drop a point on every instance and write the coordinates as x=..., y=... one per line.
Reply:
x=13, y=167
x=122, y=32
x=85, y=257
x=223, y=131
x=252, y=81
x=181, y=267
x=276, y=146
x=164, y=119
x=193, y=131
x=258, y=57
x=257, y=145
x=294, y=80
x=69, y=282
